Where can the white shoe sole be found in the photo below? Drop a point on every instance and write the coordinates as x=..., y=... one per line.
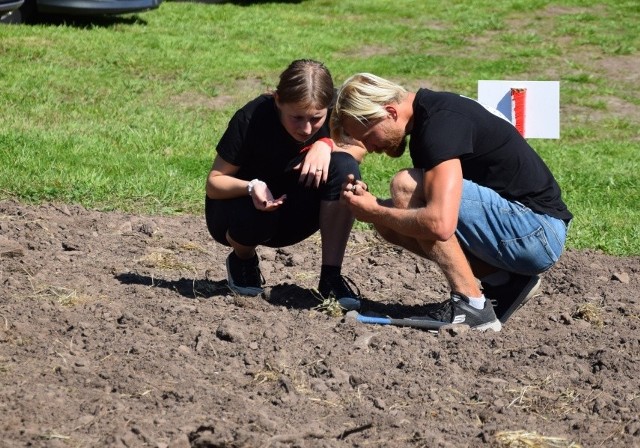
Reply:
x=495, y=326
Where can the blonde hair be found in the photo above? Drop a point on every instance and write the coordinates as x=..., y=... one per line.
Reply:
x=363, y=97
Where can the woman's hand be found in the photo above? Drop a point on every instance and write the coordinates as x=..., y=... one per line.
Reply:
x=314, y=169
x=263, y=199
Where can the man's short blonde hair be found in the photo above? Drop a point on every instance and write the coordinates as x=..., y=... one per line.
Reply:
x=363, y=97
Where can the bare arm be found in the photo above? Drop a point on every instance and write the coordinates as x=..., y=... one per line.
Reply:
x=221, y=183
x=443, y=192
x=437, y=220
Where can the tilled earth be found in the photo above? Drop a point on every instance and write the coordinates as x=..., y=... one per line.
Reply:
x=118, y=330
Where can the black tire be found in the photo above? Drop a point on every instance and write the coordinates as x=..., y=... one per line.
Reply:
x=28, y=11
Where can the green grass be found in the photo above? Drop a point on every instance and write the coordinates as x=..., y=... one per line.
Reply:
x=125, y=113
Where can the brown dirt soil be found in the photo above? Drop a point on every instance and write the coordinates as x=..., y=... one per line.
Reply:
x=118, y=330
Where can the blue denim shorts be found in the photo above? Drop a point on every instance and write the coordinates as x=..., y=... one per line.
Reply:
x=508, y=235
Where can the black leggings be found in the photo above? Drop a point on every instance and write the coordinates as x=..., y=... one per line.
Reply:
x=296, y=220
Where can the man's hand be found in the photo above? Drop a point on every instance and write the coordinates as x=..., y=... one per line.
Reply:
x=362, y=204
x=356, y=187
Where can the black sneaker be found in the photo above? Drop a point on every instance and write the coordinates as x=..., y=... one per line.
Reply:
x=457, y=310
x=508, y=298
x=244, y=276
x=339, y=287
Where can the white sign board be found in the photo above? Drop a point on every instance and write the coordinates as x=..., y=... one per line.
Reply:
x=532, y=106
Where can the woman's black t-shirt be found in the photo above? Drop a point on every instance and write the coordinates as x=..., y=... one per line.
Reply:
x=256, y=141
x=491, y=150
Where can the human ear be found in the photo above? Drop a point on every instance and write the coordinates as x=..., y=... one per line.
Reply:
x=392, y=111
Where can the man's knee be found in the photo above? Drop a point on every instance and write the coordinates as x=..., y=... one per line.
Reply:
x=406, y=191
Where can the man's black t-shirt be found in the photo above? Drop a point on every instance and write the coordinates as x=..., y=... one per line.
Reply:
x=491, y=150
x=256, y=141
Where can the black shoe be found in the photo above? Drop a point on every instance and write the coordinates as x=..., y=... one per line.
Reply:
x=244, y=276
x=457, y=310
x=339, y=287
x=508, y=298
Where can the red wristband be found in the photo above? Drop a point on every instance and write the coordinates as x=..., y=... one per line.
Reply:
x=327, y=140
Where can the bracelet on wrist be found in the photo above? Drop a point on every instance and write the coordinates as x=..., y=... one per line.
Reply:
x=252, y=185
x=329, y=142
x=326, y=140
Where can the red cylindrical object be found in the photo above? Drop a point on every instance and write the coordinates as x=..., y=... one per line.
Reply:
x=519, y=108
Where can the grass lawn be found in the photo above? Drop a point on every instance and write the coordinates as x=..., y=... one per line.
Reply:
x=125, y=113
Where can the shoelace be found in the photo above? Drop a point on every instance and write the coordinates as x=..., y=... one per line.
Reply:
x=442, y=312
x=251, y=275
